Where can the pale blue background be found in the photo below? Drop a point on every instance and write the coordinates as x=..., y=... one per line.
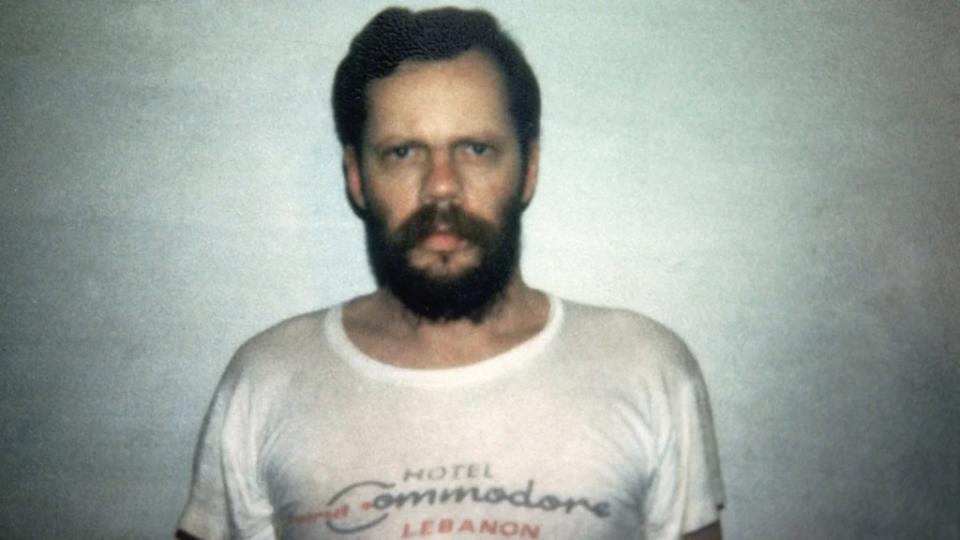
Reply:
x=778, y=181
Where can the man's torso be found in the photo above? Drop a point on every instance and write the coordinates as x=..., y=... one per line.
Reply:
x=560, y=437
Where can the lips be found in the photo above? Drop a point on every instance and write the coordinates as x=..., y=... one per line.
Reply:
x=443, y=230
x=442, y=240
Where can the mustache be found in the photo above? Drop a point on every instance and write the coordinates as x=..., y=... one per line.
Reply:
x=454, y=219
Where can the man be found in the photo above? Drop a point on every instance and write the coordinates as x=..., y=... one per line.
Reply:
x=454, y=400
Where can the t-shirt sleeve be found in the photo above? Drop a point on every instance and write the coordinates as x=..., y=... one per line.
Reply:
x=686, y=492
x=227, y=499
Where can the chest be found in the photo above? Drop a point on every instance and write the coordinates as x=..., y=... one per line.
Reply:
x=500, y=462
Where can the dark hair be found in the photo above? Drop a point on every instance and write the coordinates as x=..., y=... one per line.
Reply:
x=396, y=35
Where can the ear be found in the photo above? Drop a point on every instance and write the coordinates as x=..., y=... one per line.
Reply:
x=351, y=173
x=530, y=176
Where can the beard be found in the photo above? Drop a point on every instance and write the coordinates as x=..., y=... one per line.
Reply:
x=470, y=293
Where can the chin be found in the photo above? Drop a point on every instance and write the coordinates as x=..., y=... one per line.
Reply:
x=444, y=266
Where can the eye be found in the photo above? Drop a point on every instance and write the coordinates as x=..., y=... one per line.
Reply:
x=479, y=149
x=399, y=152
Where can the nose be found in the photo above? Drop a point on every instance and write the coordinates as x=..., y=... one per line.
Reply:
x=441, y=182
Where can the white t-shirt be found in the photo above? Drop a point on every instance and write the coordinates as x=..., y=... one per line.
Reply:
x=597, y=428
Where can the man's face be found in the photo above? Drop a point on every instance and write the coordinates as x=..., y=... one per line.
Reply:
x=442, y=186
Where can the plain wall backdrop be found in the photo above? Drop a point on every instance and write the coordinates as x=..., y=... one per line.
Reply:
x=777, y=181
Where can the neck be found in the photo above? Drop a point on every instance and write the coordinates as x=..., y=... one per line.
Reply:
x=381, y=326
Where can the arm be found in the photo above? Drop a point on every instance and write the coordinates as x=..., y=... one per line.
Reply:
x=710, y=532
x=687, y=482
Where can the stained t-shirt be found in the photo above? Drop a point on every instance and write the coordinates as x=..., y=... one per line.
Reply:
x=596, y=428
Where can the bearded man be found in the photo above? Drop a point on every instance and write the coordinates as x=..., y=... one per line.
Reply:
x=454, y=400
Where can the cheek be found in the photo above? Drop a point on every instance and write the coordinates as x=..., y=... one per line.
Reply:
x=392, y=206
x=493, y=200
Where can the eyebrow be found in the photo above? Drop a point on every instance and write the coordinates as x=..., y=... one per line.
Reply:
x=486, y=136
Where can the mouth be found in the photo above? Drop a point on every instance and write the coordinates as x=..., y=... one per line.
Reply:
x=443, y=241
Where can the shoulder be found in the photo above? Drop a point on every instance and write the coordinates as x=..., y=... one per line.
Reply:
x=283, y=349
x=631, y=341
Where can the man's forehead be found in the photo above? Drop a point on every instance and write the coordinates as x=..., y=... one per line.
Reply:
x=465, y=91
x=465, y=63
